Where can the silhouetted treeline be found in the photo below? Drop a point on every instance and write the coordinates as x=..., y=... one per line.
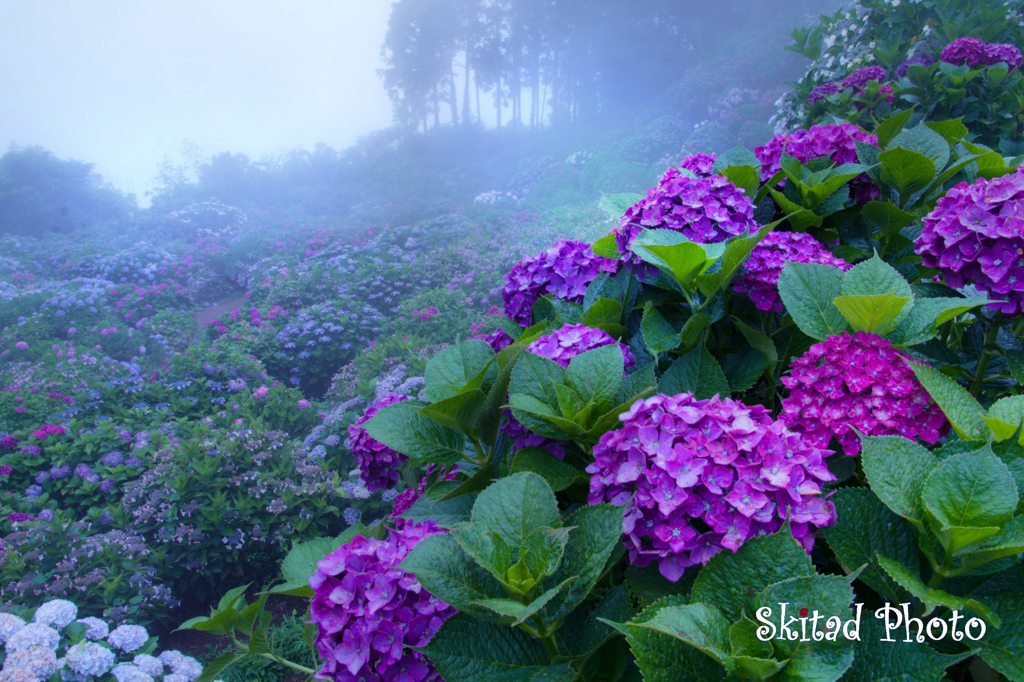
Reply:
x=552, y=60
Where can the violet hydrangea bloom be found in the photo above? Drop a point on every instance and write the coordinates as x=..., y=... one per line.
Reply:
x=976, y=52
x=1004, y=52
x=697, y=476
x=975, y=234
x=819, y=93
x=857, y=381
x=759, y=277
x=378, y=464
x=701, y=165
x=838, y=142
x=369, y=613
x=859, y=78
x=705, y=210
x=564, y=344
x=917, y=60
x=564, y=270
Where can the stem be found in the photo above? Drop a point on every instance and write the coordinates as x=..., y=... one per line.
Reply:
x=941, y=571
x=547, y=637
x=990, y=339
x=288, y=664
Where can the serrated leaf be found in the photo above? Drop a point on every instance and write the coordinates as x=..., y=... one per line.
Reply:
x=603, y=311
x=696, y=372
x=616, y=205
x=952, y=131
x=964, y=413
x=927, y=314
x=807, y=291
x=743, y=370
x=971, y=490
x=757, y=340
x=1009, y=542
x=874, y=314
x=445, y=514
x=449, y=574
x=700, y=625
x=1003, y=648
x=933, y=598
x=454, y=367
x=517, y=612
x=830, y=595
x=924, y=140
x=606, y=247
x=737, y=250
x=878, y=661
x=667, y=659
x=891, y=127
x=906, y=171
x=558, y=474
x=595, y=376
x=219, y=665
x=800, y=219
x=460, y=412
x=402, y=428
x=887, y=216
x=896, y=469
x=659, y=335
x=745, y=177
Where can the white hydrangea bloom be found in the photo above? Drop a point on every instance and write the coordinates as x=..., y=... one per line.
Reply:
x=9, y=624
x=187, y=667
x=56, y=613
x=18, y=675
x=33, y=634
x=151, y=665
x=128, y=637
x=97, y=628
x=90, y=658
x=126, y=672
x=174, y=677
x=170, y=657
x=41, y=661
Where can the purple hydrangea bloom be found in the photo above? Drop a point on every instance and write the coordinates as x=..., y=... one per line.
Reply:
x=61, y=471
x=8, y=442
x=378, y=464
x=704, y=209
x=916, y=60
x=819, y=93
x=860, y=78
x=522, y=437
x=42, y=477
x=759, y=277
x=701, y=165
x=697, y=476
x=46, y=515
x=31, y=450
x=107, y=485
x=369, y=613
x=976, y=52
x=563, y=271
x=33, y=491
x=82, y=470
x=134, y=462
x=976, y=234
x=112, y=459
x=857, y=381
x=564, y=344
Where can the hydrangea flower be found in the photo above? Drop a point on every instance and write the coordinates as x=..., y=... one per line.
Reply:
x=819, y=93
x=701, y=165
x=38, y=660
x=697, y=476
x=128, y=637
x=378, y=464
x=56, y=613
x=369, y=613
x=18, y=675
x=759, y=277
x=564, y=344
x=837, y=142
x=97, y=629
x=33, y=634
x=112, y=459
x=89, y=658
x=151, y=665
x=857, y=381
x=186, y=666
x=917, y=60
x=704, y=209
x=8, y=442
x=522, y=437
x=976, y=52
x=563, y=271
x=975, y=234
x=860, y=78
x=407, y=498
x=126, y=672
x=9, y=624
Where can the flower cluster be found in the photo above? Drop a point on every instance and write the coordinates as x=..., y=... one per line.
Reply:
x=563, y=271
x=407, y=498
x=857, y=382
x=370, y=613
x=838, y=142
x=697, y=476
x=378, y=464
x=920, y=59
x=759, y=277
x=564, y=344
x=976, y=52
x=704, y=209
x=856, y=81
x=975, y=235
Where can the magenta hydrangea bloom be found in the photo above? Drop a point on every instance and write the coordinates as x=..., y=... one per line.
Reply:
x=564, y=344
x=916, y=60
x=563, y=271
x=704, y=209
x=378, y=464
x=759, y=277
x=858, y=381
x=701, y=165
x=860, y=78
x=697, y=476
x=8, y=442
x=838, y=142
x=976, y=52
x=975, y=234
x=819, y=93
x=369, y=613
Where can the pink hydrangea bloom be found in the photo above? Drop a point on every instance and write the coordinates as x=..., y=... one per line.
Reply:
x=564, y=344
x=704, y=209
x=369, y=613
x=759, y=277
x=697, y=476
x=976, y=234
x=378, y=464
x=564, y=270
x=857, y=381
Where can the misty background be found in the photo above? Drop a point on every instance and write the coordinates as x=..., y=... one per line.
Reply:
x=317, y=108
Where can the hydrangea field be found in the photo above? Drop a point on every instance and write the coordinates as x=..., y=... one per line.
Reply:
x=774, y=401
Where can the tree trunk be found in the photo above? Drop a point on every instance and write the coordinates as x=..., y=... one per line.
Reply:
x=465, y=92
x=497, y=101
x=437, y=109
x=476, y=85
x=453, y=100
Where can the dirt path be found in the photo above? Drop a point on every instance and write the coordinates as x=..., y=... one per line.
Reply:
x=204, y=315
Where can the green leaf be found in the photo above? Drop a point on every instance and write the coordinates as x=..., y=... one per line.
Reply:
x=402, y=428
x=746, y=178
x=927, y=314
x=730, y=581
x=467, y=650
x=1010, y=542
x=445, y=514
x=875, y=276
x=558, y=474
x=743, y=371
x=830, y=595
x=737, y=156
x=807, y=291
x=875, y=314
x=259, y=643
x=635, y=385
x=480, y=479
x=878, y=661
x=595, y=376
x=896, y=469
x=1005, y=417
x=659, y=335
x=696, y=372
x=597, y=532
x=1003, y=649
x=667, y=659
x=543, y=419
x=232, y=596
x=606, y=246
x=963, y=412
x=744, y=640
x=616, y=205
x=603, y=311
x=952, y=131
x=647, y=585
x=700, y=625
x=971, y=490
x=219, y=665
x=908, y=172
x=461, y=411
x=864, y=529
x=887, y=216
x=933, y=598
x=757, y=340
x=800, y=219
x=219, y=624
x=891, y=127
x=493, y=410
x=537, y=377
x=454, y=367
x=302, y=559
x=737, y=250
x=926, y=141
x=448, y=573
x=517, y=612
x=673, y=254
x=515, y=507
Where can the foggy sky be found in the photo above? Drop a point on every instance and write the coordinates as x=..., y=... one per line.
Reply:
x=121, y=83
